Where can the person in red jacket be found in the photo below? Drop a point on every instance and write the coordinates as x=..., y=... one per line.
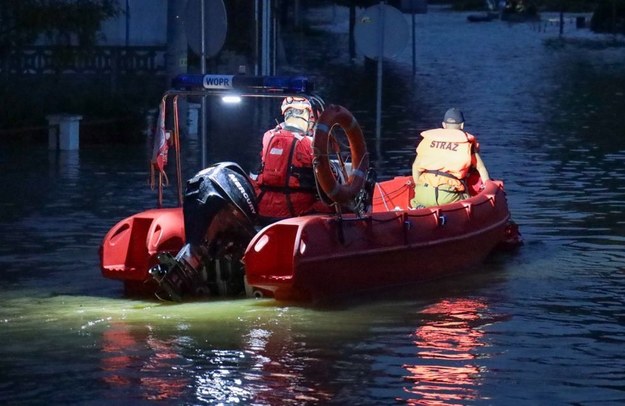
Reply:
x=285, y=184
x=445, y=158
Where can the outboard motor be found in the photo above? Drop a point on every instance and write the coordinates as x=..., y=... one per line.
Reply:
x=220, y=212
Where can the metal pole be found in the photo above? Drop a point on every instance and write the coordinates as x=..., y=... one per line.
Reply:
x=127, y=23
x=266, y=35
x=274, y=40
x=378, y=107
x=263, y=38
x=203, y=71
x=414, y=41
x=176, y=50
x=258, y=37
x=176, y=40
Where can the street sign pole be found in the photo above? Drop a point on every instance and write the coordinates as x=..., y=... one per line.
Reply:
x=380, y=31
x=206, y=23
x=378, y=104
x=204, y=131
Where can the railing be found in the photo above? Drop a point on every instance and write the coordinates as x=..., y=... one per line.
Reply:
x=43, y=60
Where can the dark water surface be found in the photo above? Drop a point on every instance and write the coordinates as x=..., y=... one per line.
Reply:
x=545, y=325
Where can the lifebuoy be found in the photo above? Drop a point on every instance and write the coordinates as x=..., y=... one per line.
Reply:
x=337, y=192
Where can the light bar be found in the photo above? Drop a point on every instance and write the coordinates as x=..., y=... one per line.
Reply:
x=280, y=84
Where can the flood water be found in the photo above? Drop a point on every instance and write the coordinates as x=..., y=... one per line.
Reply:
x=543, y=325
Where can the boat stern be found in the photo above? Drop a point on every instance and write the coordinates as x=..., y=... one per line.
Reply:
x=271, y=260
x=131, y=247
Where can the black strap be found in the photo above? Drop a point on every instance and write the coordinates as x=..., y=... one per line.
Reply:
x=289, y=173
x=463, y=182
x=305, y=176
x=441, y=173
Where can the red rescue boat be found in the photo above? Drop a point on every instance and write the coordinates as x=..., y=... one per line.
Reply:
x=213, y=244
x=315, y=257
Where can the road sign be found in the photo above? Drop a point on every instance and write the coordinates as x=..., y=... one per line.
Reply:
x=376, y=20
x=215, y=26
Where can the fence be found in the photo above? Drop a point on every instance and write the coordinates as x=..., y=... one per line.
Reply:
x=42, y=60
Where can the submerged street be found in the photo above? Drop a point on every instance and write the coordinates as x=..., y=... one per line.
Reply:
x=542, y=325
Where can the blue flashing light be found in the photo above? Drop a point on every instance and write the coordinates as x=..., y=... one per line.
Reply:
x=188, y=81
x=297, y=84
x=243, y=83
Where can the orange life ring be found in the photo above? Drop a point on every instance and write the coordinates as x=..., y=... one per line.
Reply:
x=337, y=192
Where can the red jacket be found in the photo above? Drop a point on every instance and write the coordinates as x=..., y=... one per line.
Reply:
x=285, y=186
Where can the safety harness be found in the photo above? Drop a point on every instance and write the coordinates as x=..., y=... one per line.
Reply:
x=304, y=175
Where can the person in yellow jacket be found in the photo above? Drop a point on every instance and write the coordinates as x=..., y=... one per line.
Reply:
x=445, y=157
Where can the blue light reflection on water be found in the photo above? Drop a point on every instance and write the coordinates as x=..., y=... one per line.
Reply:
x=544, y=325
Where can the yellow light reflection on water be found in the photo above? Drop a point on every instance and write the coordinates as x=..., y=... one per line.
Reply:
x=159, y=349
x=240, y=350
x=223, y=350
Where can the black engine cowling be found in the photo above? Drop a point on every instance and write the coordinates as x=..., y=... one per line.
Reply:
x=220, y=214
